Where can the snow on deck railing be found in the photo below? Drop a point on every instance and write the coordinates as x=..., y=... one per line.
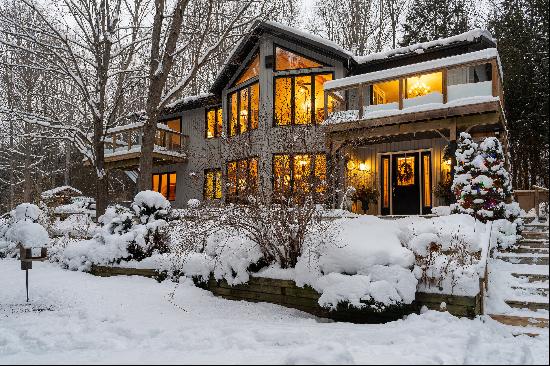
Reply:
x=349, y=99
x=397, y=72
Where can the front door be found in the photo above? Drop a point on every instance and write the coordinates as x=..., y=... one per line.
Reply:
x=405, y=184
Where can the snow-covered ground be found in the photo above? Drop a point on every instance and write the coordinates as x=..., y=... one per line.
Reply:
x=132, y=320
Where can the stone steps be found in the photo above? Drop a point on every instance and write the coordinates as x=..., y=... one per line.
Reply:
x=535, y=234
x=532, y=277
x=534, y=306
x=527, y=249
x=534, y=243
x=540, y=291
x=520, y=321
x=538, y=259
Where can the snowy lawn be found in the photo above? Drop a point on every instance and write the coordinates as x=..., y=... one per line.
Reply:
x=131, y=320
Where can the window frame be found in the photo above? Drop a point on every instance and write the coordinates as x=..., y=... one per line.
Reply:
x=316, y=195
x=229, y=198
x=293, y=97
x=216, y=133
x=167, y=183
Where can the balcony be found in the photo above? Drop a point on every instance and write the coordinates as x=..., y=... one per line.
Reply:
x=123, y=146
x=455, y=86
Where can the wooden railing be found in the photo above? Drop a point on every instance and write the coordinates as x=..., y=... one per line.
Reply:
x=351, y=97
x=125, y=139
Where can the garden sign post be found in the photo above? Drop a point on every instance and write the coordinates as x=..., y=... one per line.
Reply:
x=26, y=258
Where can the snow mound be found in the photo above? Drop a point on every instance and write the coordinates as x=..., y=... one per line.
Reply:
x=29, y=234
x=26, y=212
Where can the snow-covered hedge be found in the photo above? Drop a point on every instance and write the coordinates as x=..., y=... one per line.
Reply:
x=124, y=234
x=359, y=261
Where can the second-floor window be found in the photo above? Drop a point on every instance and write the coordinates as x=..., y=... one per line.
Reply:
x=165, y=184
x=244, y=109
x=213, y=123
x=242, y=179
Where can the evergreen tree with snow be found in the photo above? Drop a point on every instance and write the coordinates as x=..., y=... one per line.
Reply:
x=466, y=151
x=490, y=181
x=432, y=19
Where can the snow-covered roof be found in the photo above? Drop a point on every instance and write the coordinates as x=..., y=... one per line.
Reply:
x=131, y=126
x=486, y=54
x=57, y=190
x=421, y=47
x=189, y=99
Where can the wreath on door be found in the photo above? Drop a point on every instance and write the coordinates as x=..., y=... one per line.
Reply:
x=405, y=172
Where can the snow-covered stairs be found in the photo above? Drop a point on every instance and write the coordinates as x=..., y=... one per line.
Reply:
x=518, y=283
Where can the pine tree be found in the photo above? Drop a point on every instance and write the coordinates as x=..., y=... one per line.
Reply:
x=490, y=184
x=432, y=19
x=521, y=29
x=466, y=151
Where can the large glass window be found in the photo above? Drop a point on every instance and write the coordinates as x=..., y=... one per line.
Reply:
x=385, y=95
x=422, y=89
x=252, y=71
x=287, y=60
x=301, y=174
x=242, y=179
x=299, y=100
x=244, y=109
x=165, y=184
x=212, y=184
x=213, y=122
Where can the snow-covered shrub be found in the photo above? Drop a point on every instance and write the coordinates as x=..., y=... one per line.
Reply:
x=447, y=250
x=22, y=228
x=124, y=234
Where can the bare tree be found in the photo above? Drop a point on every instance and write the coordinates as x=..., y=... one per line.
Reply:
x=91, y=46
x=174, y=40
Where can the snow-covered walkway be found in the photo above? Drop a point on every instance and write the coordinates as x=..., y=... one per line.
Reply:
x=76, y=317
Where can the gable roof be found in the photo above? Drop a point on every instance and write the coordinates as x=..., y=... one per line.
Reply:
x=248, y=42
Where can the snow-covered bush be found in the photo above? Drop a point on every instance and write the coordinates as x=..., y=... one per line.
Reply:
x=447, y=250
x=357, y=261
x=124, y=234
x=22, y=228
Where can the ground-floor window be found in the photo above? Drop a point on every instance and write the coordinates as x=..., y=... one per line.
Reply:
x=165, y=184
x=212, y=184
x=301, y=174
x=242, y=179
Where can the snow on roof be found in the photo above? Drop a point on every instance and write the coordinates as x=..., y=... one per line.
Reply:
x=189, y=99
x=57, y=190
x=485, y=54
x=135, y=125
x=420, y=47
x=310, y=36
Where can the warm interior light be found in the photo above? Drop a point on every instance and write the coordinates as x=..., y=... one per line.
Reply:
x=363, y=166
x=351, y=165
x=418, y=89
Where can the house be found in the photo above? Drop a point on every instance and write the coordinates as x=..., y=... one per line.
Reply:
x=290, y=110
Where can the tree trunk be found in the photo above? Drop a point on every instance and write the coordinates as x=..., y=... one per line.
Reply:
x=67, y=172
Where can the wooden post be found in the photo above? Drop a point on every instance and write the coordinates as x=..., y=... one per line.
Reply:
x=325, y=96
x=360, y=101
x=113, y=142
x=400, y=93
x=537, y=201
x=444, y=86
x=129, y=140
x=494, y=76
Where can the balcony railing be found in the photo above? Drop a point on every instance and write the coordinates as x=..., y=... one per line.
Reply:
x=454, y=81
x=128, y=138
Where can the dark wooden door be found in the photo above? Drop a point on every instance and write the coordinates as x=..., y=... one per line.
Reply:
x=405, y=184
